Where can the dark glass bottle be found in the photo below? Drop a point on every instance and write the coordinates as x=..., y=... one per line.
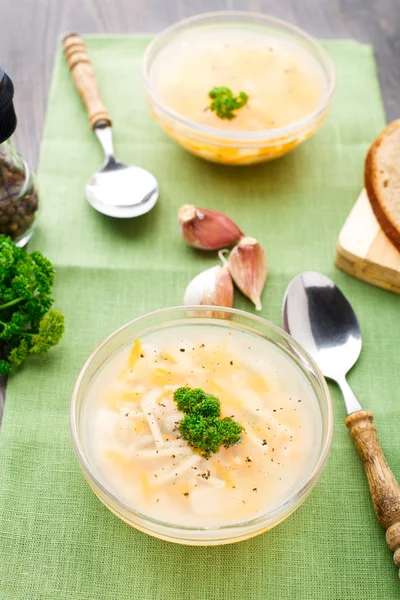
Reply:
x=18, y=194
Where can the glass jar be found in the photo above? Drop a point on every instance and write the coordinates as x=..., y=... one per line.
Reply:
x=18, y=194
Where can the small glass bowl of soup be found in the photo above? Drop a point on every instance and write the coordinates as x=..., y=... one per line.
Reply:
x=125, y=425
x=287, y=75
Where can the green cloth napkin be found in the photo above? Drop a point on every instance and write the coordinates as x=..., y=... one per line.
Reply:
x=57, y=541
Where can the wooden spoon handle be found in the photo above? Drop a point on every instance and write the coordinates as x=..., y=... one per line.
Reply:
x=385, y=491
x=85, y=79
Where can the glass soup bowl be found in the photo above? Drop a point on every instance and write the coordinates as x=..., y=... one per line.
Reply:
x=222, y=145
x=228, y=320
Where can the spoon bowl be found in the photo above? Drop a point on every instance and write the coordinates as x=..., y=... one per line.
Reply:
x=320, y=318
x=120, y=190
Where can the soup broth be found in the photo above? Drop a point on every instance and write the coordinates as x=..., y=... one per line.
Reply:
x=284, y=81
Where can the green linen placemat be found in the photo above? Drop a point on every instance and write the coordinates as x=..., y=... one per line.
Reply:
x=57, y=541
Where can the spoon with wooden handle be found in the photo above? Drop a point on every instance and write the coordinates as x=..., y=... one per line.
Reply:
x=320, y=318
x=116, y=189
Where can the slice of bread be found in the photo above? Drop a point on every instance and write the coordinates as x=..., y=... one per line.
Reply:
x=382, y=180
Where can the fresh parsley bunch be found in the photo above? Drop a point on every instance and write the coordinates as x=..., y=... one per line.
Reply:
x=27, y=325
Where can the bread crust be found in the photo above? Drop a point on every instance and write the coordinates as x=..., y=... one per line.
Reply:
x=370, y=182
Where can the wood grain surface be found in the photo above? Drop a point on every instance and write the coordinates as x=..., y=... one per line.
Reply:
x=364, y=251
x=385, y=491
x=30, y=31
x=85, y=79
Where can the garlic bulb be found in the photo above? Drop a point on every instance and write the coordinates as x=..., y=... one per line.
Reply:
x=248, y=267
x=207, y=229
x=212, y=287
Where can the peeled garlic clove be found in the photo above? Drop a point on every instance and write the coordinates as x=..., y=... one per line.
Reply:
x=207, y=229
x=212, y=287
x=248, y=267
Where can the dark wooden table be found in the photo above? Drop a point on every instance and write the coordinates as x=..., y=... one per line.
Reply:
x=30, y=30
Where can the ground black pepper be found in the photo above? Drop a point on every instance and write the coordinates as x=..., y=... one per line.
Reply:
x=18, y=196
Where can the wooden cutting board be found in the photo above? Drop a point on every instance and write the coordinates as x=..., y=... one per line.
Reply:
x=365, y=252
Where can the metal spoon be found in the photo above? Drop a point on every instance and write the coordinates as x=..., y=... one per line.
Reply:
x=117, y=190
x=320, y=318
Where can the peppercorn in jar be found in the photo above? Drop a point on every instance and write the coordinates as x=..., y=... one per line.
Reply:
x=18, y=195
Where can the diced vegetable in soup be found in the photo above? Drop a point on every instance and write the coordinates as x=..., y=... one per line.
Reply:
x=132, y=426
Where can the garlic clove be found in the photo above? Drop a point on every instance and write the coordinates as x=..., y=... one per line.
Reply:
x=248, y=267
x=201, y=287
x=212, y=287
x=223, y=295
x=207, y=229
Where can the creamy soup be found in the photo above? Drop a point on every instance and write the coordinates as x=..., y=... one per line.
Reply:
x=283, y=80
x=131, y=426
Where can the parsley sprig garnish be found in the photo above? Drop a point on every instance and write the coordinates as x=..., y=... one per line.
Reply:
x=224, y=102
x=202, y=426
